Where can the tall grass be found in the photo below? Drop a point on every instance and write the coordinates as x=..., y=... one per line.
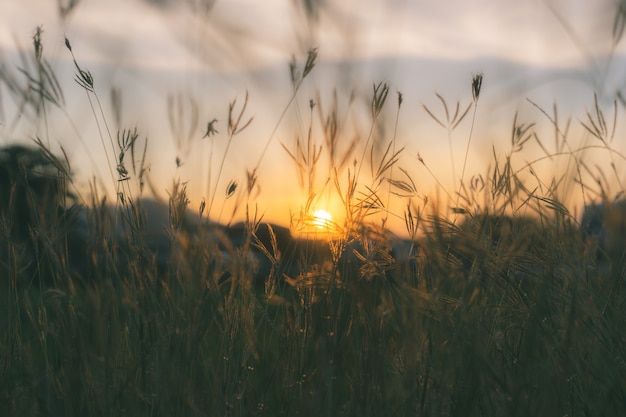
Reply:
x=496, y=307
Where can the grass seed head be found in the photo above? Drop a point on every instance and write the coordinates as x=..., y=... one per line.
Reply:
x=477, y=83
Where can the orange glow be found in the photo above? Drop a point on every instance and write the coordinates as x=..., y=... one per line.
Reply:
x=322, y=219
x=318, y=224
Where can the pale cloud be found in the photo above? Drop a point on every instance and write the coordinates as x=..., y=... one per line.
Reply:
x=249, y=33
x=522, y=31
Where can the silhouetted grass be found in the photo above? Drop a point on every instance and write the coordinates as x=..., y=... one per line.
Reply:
x=495, y=306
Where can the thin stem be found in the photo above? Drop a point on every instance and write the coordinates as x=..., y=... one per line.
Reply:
x=219, y=173
x=393, y=149
x=280, y=119
x=469, y=141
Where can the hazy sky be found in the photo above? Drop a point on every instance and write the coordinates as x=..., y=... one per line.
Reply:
x=541, y=32
x=549, y=51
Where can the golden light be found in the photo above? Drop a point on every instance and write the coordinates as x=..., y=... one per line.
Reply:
x=322, y=219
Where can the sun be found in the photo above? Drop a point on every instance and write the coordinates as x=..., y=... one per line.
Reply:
x=322, y=219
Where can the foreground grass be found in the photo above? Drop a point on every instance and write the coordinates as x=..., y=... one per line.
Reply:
x=521, y=332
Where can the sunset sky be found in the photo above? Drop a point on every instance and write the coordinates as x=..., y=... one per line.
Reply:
x=547, y=51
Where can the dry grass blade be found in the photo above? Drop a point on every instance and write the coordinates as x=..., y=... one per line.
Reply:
x=272, y=253
x=456, y=110
x=555, y=205
x=251, y=181
x=593, y=131
x=433, y=116
x=412, y=220
x=234, y=128
x=433, y=176
x=599, y=114
x=297, y=79
x=408, y=186
x=346, y=198
x=560, y=137
x=37, y=87
x=387, y=161
x=143, y=167
x=125, y=142
x=540, y=144
x=614, y=121
x=445, y=107
x=306, y=157
x=63, y=167
x=402, y=186
x=330, y=123
x=460, y=119
x=178, y=203
x=82, y=78
x=310, y=62
x=597, y=127
x=501, y=179
x=42, y=81
x=53, y=82
x=378, y=100
x=521, y=133
x=369, y=201
x=332, y=134
x=292, y=156
x=451, y=122
x=48, y=82
x=234, y=123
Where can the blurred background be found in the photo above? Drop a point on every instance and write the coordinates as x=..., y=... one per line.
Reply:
x=170, y=67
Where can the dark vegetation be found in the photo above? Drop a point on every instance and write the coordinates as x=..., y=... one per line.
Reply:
x=33, y=216
x=491, y=314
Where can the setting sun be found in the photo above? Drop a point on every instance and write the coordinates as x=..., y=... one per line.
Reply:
x=322, y=219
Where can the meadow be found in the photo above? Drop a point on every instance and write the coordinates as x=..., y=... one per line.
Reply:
x=499, y=305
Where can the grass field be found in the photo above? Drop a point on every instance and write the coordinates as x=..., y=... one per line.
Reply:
x=504, y=311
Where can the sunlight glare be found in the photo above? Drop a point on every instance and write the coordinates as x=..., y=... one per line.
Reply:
x=322, y=219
